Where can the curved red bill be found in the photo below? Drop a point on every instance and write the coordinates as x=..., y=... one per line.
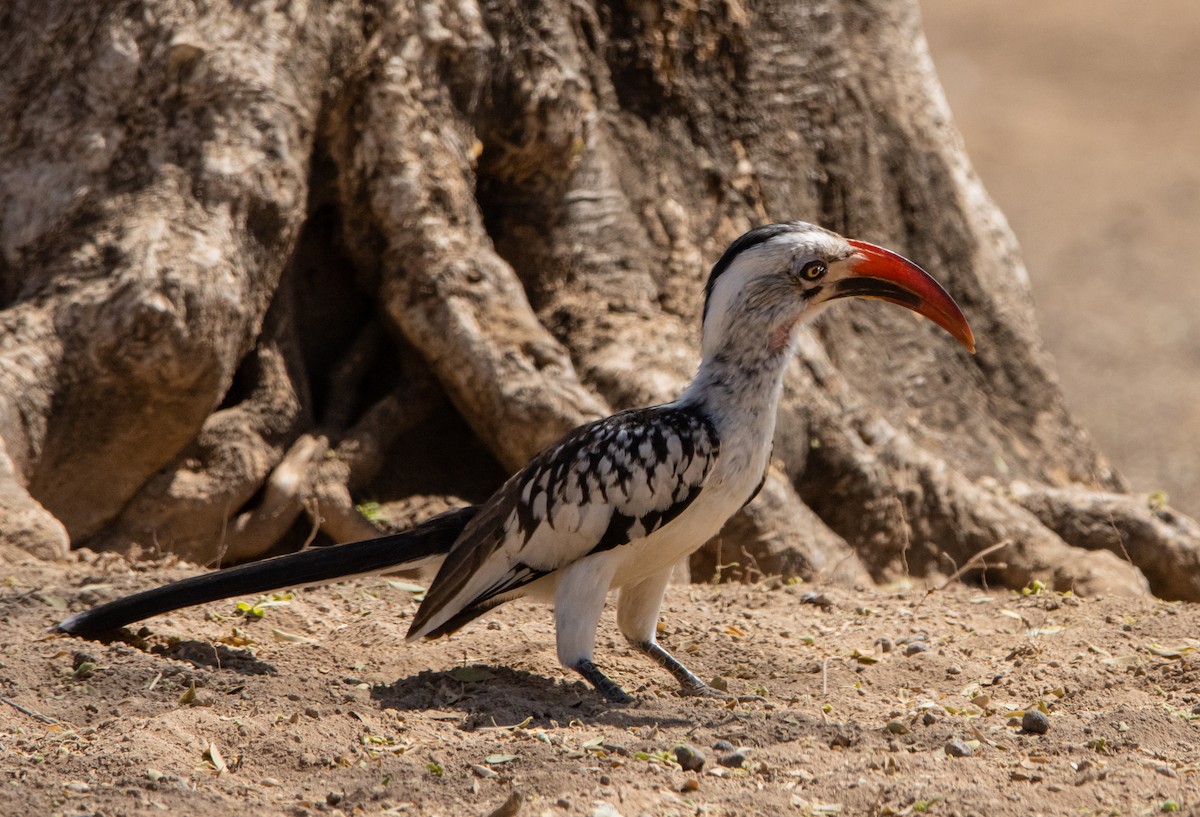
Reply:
x=882, y=274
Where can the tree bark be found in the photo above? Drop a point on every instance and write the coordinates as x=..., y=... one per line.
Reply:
x=258, y=264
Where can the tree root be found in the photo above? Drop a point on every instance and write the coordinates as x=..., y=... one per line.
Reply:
x=404, y=157
x=914, y=514
x=1164, y=544
x=777, y=535
x=26, y=524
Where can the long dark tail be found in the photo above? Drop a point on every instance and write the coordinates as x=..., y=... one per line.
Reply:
x=430, y=539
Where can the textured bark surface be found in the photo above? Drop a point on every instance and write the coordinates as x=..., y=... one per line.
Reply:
x=258, y=264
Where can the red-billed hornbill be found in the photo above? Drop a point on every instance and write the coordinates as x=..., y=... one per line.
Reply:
x=617, y=502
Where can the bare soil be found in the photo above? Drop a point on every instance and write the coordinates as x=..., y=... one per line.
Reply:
x=320, y=707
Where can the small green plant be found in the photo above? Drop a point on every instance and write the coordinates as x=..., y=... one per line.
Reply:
x=373, y=511
x=259, y=608
x=435, y=768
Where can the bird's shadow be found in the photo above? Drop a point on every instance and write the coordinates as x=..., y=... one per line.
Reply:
x=217, y=656
x=501, y=696
x=191, y=651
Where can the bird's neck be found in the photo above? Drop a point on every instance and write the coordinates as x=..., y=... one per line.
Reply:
x=739, y=383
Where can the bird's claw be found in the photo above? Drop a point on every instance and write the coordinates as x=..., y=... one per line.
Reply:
x=703, y=690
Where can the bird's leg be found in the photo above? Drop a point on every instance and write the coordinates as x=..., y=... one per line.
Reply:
x=637, y=616
x=579, y=594
x=689, y=683
x=604, y=685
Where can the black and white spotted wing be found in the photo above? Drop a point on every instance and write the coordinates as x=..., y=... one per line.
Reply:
x=604, y=485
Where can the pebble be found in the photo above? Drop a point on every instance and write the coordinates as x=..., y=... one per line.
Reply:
x=929, y=718
x=510, y=807
x=723, y=746
x=1035, y=722
x=898, y=727
x=958, y=748
x=605, y=780
x=819, y=599
x=312, y=712
x=734, y=760
x=335, y=797
x=691, y=784
x=690, y=759
x=915, y=647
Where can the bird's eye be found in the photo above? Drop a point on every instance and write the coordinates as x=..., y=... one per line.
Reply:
x=813, y=270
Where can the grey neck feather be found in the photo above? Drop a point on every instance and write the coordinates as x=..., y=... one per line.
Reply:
x=740, y=380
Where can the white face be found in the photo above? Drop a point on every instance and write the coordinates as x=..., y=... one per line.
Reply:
x=771, y=284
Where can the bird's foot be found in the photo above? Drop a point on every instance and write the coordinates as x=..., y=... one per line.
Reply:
x=699, y=689
x=606, y=686
x=689, y=684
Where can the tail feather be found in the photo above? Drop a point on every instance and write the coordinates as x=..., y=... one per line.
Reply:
x=432, y=538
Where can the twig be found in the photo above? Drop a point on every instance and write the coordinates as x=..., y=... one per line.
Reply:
x=35, y=715
x=825, y=673
x=978, y=557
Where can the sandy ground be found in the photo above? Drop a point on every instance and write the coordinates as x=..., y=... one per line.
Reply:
x=1083, y=118
x=318, y=706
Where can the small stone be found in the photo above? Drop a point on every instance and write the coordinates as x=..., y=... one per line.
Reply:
x=954, y=669
x=734, y=760
x=563, y=803
x=841, y=739
x=690, y=759
x=510, y=807
x=605, y=780
x=929, y=718
x=723, y=746
x=335, y=797
x=915, y=647
x=691, y=784
x=885, y=644
x=1035, y=722
x=958, y=748
x=898, y=727
x=312, y=712
x=819, y=599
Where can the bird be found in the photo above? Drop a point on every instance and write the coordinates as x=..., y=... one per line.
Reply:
x=617, y=502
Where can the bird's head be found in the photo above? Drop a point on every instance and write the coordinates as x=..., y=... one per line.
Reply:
x=775, y=276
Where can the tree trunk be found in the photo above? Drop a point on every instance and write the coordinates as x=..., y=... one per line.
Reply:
x=259, y=262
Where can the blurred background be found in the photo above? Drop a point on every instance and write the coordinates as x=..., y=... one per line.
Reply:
x=1083, y=119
